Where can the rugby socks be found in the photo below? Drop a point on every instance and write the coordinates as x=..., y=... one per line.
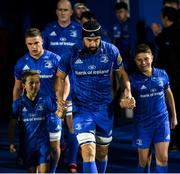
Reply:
x=53, y=169
x=140, y=169
x=101, y=166
x=89, y=167
x=73, y=148
x=147, y=169
x=161, y=169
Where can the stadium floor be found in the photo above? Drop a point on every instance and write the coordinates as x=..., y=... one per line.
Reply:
x=122, y=157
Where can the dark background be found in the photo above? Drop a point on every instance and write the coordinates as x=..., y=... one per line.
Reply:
x=16, y=16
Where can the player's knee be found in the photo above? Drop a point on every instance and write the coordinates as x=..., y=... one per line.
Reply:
x=143, y=162
x=101, y=153
x=88, y=152
x=55, y=146
x=162, y=159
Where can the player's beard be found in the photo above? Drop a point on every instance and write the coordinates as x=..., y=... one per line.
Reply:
x=91, y=50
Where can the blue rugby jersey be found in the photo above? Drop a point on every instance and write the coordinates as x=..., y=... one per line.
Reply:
x=33, y=118
x=46, y=65
x=59, y=39
x=149, y=93
x=124, y=32
x=91, y=76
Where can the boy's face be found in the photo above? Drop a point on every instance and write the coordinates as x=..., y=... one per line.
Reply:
x=144, y=62
x=32, y=84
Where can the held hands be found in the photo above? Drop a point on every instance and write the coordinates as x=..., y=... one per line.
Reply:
x=127, y=101
x=12, y=148
x=61, y=109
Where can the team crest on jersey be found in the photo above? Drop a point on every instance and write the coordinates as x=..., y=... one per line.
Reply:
x=73, y=33
x=104, y=59
x=78, y=126
x=40, y=108
x=160, y=82
x=139, y=142
x=48, y=64
x=119, y=60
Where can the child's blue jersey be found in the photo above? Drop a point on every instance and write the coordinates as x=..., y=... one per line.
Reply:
x=91, y=75
x=149, y=93
x=60, y=39
x=33, y=119
x=46, y=65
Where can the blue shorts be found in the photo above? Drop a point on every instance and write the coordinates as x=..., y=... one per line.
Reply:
x=38, y=155
x=99, y=123
x=54, y=125
x=144, y=137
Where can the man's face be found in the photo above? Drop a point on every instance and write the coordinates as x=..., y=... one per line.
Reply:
x=35, y=46
x=79, y=10
x=64, y=11
x=122, y=15
x=92, y=43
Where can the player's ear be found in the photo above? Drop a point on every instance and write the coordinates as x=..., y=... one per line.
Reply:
x=23, y=86
x=152, y=57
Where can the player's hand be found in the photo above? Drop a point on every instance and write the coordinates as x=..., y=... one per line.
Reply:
x=129, y=103
x=174, y=122
x=12, y=148
x=61, y=109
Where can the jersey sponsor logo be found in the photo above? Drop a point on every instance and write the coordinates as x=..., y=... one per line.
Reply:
x=48, y=64
x=104, y=59
x=78, y=61
x=152, y=94
x=73, y=33
x=153, y=90
x=63, y=39
x=143, y=87
x=33, y=119
x=91, y=67
x=91, y=72
x=26, y=67
x=53, y=33
x=139, y=142
x=62, y=43
x=46, y=76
